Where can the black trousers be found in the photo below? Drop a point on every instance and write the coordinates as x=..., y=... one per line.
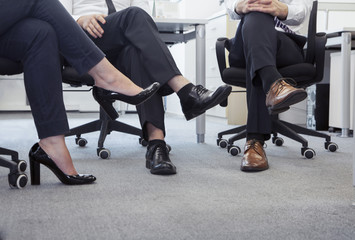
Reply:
x=256, y=45
x=32, y=31
x=132, y=43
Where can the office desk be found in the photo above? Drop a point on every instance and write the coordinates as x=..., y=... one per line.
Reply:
x=343, y=38
x=174, y=31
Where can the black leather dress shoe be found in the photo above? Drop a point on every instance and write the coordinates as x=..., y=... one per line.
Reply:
x=201, y=99
x=158, y=161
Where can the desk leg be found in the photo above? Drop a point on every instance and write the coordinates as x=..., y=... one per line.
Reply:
x=200, y=77
x=345, y=84
x=354, y=160
x=353, y=90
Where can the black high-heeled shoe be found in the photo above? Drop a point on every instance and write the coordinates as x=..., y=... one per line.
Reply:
x=106, y=97
x=38, y=156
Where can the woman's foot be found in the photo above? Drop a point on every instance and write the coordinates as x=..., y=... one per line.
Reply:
x=38, y=157
x=57, y=150
x=106, y=76
x=106, y=97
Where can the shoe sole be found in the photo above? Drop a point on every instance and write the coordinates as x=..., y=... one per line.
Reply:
x=217, y=100
x=162, y=171
x=253, y=169
x=285, y=105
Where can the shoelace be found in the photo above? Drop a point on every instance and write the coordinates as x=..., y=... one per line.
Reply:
x=252, y=145
x=281, y=83
x=200, y=89
x=161, y=150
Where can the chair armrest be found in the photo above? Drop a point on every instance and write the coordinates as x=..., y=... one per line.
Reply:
x=320, y=42
x=221, y=54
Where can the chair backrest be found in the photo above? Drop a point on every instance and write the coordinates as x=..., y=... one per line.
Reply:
x=312, y=30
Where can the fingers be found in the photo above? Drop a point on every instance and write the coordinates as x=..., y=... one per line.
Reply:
x=265, y=6
x=101, y=18
x=92, y=25
x=95, y=27
x=93, y=31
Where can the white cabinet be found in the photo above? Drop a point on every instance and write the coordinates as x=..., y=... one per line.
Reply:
x=79, y=99
x=335, y=92
x=12, y=94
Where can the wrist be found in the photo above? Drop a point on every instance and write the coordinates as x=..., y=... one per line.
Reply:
x=283, y=12
x=238, y=7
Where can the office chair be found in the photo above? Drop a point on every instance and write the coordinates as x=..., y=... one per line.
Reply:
x=104, y=124
x=16, y=178
x=305, y=74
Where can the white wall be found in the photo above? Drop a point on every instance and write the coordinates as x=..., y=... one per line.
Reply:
x=335, y=14
x=200, y=8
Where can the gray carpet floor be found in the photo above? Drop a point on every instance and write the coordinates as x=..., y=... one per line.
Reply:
x=209, y=198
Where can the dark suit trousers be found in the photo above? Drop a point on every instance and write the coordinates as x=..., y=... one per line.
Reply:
x=256, y=45
x=132, y=43
x=32, y=31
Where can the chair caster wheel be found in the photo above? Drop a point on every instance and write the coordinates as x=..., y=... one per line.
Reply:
x=81, y=142
x=104, y=153
x=308, y=153
x=278, y=141
x=222, y=143
x=330, y=146
x=234, y=150
x=17, y=180
x=143, y=142
x=21, y=165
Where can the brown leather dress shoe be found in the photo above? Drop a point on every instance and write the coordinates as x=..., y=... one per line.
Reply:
x=254, y=158
x=281, y=95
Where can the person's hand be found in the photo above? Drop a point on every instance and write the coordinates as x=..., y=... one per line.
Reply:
x=272, y=7
x=90, y=23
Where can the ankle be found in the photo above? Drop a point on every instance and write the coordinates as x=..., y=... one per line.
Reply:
x=51, y=141
x=184, y=92
x=257, y=137
x=178, y=82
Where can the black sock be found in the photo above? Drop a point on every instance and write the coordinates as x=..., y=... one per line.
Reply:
x=257, y=136
x=156, y=142
x=184, y=92
x=268, y=76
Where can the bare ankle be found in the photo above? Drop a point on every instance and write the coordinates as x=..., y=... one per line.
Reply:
x=178, y=82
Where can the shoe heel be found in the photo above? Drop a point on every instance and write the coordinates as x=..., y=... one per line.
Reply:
x=35, y=172
x=109, y=109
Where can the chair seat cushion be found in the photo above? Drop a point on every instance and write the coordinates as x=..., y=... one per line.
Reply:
x=9, y=67
x=302, y=73
x=71, y=76
x=234, y=76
